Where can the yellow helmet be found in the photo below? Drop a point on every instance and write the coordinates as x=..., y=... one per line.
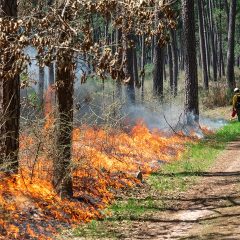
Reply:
x=236, y=90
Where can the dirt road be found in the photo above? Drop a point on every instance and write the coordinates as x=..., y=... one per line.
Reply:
x=209, y=210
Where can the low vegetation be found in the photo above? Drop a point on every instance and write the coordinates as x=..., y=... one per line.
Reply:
x=174, y=177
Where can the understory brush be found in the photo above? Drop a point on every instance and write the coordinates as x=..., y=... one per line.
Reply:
x=217, y=96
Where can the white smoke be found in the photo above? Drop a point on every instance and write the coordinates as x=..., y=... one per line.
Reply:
x=170, y=119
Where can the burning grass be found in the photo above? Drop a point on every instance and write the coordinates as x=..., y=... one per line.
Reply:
x=103, y=161
x=132, y=209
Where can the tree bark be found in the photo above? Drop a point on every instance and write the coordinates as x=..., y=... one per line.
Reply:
x=9, y=105
x=120, y=52
x=203, y=46
x=62, y=177
x=164, y=65
x=51, y=74
x=158, y=70
x=226, y=6
x=152, y=50
x=212, y=38
x=143, y=60
x=191, y=78
x=170, y=64
x=206, y=36
x=221, y=45
x=106, y=32
x=41, y=86
x=158, y=62
x=231, y=44
x=175, y=61
x=181, y=55
x=135, y=67
x=128, y=40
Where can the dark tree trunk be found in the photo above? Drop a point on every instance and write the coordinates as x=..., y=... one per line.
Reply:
x=231, y=44
x=158, y=62
x=238, y=63
x=203, y=46
x=226, y=6
x=62, y=177
x=51, y=74
x=51, y=70
x=158, y=70
x=191, y=81
x=152, y=50
x=175, y=61
x=215, y=24
x=206, y=36
x=120, y=52
x=135, y=68
x=41, y=86
x=181, y=53
x=128, y=66
x=143, y=57
x=164, y=65
x=51, y=82
x=221, y=64
x=213, y=42
x=106, y=32
x=170, y=64
x=9, y=104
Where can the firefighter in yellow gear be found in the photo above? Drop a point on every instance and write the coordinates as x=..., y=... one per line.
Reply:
x=236, y=102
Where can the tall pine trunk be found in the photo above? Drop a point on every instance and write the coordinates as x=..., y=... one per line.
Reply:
x=221, y=61
x=212, y=38
x=226, y=7
x=127, y=39
x=203, y=46
x=51, y=74
x=62, y=177
x=41, y=86
x=143, y=60
x=191, y=78
x=158, y=70
x=231, y=43
x=120, y=52
x=9, y=104
x=158, y=62
x=207, y=41
x=135, y=67
x=170, y=64
x=175, y=61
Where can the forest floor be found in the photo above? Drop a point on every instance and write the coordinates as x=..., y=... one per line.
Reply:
x=197, y=198
x=210, y=209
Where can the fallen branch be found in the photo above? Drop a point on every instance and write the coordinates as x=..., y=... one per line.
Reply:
x=171, y=126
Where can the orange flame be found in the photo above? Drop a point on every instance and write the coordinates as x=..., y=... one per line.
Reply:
x=102, y=159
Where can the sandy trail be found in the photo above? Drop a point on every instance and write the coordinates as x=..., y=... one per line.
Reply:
x=209, y=210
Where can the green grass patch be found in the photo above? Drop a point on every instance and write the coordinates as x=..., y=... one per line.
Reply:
x=93, y=230
x=130, y=208
x=174, y=177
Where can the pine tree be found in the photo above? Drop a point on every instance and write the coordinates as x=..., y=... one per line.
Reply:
x=191, y=78
x=9, y=103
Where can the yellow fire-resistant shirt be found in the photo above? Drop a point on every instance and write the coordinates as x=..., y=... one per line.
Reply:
x=235, y=97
